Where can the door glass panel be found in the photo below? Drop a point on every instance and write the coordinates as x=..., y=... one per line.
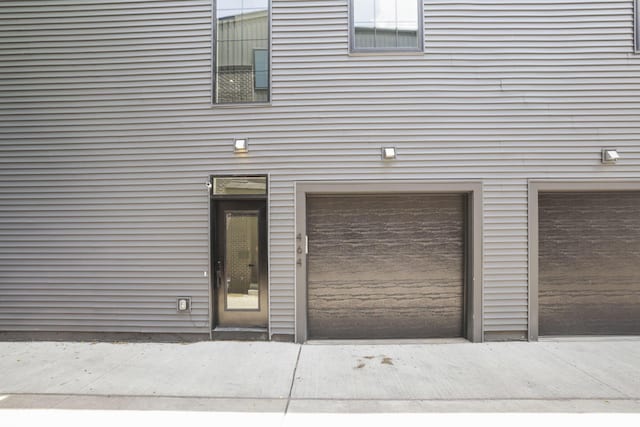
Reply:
x=241, y=262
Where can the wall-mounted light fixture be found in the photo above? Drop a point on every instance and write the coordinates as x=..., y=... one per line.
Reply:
x=388, y=153
x=609, y=156
x=240, y=146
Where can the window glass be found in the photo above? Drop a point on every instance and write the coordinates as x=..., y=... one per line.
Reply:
x=242, y=288
x=241, y=51
x=363, y=12
x=261, y=67
x=386, y=25
x=223, y=186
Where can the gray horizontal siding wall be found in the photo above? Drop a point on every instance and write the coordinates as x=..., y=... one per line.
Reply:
x=108, y=134
x=103, y=208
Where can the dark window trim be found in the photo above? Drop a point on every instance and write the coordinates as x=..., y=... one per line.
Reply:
x=213, y=77
x=636, y=26
x=352, y=35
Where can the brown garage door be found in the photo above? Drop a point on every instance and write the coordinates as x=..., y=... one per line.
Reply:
x=386, y=266
x=589, y=263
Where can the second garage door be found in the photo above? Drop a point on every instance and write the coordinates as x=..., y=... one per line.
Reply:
x=386, y=266
x=589, y=263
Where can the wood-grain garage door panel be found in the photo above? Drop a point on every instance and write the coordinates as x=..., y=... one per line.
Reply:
x=385, y=266
x=589, y=263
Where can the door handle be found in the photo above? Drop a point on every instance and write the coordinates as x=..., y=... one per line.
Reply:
x=219, y=276
x=219, y=279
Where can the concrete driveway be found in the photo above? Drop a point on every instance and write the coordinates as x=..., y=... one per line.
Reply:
x=553, y=376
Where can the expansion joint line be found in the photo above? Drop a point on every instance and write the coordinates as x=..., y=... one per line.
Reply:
x=293, y=379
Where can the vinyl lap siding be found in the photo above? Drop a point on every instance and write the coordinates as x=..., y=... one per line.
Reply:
x=505, y=292
x=108, y=134
x=566, y=71
x=506, y=91
x=103, y=209
x=281, y=257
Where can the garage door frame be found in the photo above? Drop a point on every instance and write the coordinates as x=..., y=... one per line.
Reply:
x=555, y=186
x=473, y=328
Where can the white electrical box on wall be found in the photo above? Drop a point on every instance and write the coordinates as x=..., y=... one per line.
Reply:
x=184, y=304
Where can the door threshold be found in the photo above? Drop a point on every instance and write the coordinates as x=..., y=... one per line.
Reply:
x=222, y=333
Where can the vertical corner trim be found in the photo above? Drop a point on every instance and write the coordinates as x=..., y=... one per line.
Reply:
x=532, y=250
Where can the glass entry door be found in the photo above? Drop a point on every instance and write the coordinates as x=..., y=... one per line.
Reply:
x=241, y=264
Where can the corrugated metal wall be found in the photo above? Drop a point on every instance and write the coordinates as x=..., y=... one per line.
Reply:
x=108, y=134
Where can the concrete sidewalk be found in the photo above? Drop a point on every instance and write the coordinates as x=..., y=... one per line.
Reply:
x=579, y=376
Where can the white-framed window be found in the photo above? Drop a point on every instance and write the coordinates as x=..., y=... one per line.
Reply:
x=241, y=65
x=386, y=25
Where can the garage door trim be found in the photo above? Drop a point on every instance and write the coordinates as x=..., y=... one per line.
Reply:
x=473, y=328
x=536, y=187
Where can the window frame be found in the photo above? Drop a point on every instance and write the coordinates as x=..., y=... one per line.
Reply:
x=386, y=50
x=214, y=74
x=636, y=26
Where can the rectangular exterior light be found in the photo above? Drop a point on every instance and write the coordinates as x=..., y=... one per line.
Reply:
x=240, y=146
x=388, y=153
x=610, y=155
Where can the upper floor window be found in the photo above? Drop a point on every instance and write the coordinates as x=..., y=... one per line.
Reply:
x=386, y=25
x=241, y=51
